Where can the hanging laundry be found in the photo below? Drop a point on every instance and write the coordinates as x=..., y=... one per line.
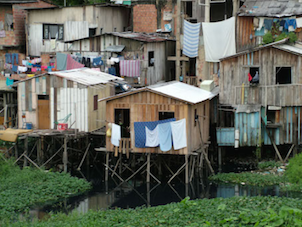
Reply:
x=61, y=61
x=87, y=62
x=250, y=77
x=36, y=60
x=34, y=70
x=255, y=78
x=290, y=22
x=130, y=68
x=112, y=71
x=261, y=22
x=256, y=22
x=8, y=66
x=222, y=45
x=9, y=82
x=299, y=22
x=30, y=75
x=8, y=58
x=165, y=136
x=97, y=61
x=115, y=60
x=7, y=75
x=24, y=62
x=260, y=32
x=140, y=130
x=152, y=137
x=191, y=39
x=15, y=68
x=179, y=134
x=2, y=34
x=22, y=69
x=15, y=57
x=268, y=23
x=116, y=134
x=72, y=64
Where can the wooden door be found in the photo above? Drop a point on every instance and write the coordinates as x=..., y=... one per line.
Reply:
x=43, y=112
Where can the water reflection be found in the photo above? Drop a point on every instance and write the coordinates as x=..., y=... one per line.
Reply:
x=137, y=193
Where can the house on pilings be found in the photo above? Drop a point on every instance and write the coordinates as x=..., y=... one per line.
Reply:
x=159, y=102
x=255, y=112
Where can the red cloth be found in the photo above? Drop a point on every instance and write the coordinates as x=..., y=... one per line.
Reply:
x=72, y=64
x=250, y=77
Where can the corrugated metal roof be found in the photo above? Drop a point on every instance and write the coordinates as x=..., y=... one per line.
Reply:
x=248, y=108
x=143, y=37
x=270, y=8
x=117, y=48
x=86, y=76
x=295, y=49
x=182, y=91
x=17, y=1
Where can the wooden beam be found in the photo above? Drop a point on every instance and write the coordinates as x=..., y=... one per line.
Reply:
x=175, y=58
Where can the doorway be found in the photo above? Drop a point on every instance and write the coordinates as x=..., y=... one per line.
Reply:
x=122, y=118
x=43, y=112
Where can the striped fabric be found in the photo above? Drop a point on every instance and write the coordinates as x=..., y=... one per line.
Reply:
x=191, y=39
x=130, y=68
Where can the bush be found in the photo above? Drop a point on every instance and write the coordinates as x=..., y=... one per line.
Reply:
x=268, y=38
x=292, y=37
x=294, y=169
x=268, y=165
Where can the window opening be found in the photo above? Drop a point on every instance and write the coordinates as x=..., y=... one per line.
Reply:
x=151, y=58
x=165, y=115
x=254, y=72
x=283, y=75
x=122, y=118
x=95, y=102
x=53, y=31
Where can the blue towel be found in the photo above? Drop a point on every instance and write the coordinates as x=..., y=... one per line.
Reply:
x=165, y=136
x=191, y=39
x=15, y=55
x=290, y=22
x=140, y=131
x=97, y=61
x=9, y=82
x=61, y=61
x=8, y=58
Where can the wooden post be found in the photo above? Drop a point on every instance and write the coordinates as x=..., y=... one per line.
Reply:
x=39, y=151
x=16, y=150
x=219, y=160
x=148, y=167
x=120, y=162
x=65, y=155
x=106, y=168
x=178, y=40
x=25, y=150
x=187, y=168
x=148, y=194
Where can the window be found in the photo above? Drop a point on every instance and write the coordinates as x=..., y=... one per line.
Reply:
x=273, y=115
x=53, y=31
x=283, y=75
x=254, y=71
x=9, y=22
x=101, y=31
x=95, y=102
x=189, y=9
x=165, y=115
x=92, y=32
x=122, y=118
x=151, y=58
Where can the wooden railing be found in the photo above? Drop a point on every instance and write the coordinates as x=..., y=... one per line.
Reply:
x=124, y=147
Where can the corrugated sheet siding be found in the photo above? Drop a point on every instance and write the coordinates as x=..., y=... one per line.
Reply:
x=75, y=30
x=225, y=136
x=248, y=125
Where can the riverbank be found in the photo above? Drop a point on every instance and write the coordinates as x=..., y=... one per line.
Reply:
x=21, y=189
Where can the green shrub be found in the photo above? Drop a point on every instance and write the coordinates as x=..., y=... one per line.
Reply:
x=294, y=169
x=292, y=37
x=268, y=165
x=281, y=36
x=268, y=38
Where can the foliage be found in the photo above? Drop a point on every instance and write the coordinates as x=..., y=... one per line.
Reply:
x=20, y=189
x=235, y=211
x=281, y=36
x=249, y=178
x=294, y=169
x=292, y=37
x=268, y=38
x=77, y=2
x=268, y=165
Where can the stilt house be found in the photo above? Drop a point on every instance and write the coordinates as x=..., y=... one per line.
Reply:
x=65, y=97
x=158, y=102
x=263, y=109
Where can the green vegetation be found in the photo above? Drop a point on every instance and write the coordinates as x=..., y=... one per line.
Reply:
x=248, y=178
x=235, y=211
x=268, y=165
x=21, y=189
x=269, y=37
x=294, y=169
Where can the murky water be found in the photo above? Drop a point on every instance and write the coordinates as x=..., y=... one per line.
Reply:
x=137, y=193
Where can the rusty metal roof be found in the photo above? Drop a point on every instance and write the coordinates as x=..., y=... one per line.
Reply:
x=17, y=1
x=143, y=37
x=270, y=8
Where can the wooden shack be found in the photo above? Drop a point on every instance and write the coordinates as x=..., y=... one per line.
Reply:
x=68, y=97
x=266, y=111
x=159, y=102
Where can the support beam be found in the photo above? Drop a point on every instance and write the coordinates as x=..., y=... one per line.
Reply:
x=187, y=168
x=25, y=150
x=148, y=167
x=106, y=169
x=65, y=155
x=219, y=160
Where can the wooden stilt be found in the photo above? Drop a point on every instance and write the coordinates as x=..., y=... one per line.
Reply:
x=177, y=172
x=39, y=151
x=289, y=152
x=25, y=150
x=148, y=194
x=84, y=156
x=16, y=150
x=65, y=155
x=106, y=169
x=148, y=167
x=219, y=160
x=120, y=163
x=187, y=169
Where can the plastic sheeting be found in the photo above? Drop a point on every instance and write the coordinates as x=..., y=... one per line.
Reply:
x=219, y=39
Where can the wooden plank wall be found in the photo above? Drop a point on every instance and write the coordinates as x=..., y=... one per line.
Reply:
x=234, y=73
x=245, y=28
x=145, y=106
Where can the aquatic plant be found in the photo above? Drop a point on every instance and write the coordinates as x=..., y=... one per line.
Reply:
x=235, y=211
x=21, y=189
x=268, y=165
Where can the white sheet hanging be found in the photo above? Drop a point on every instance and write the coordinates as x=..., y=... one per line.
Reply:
x=219, y=39
x=152, y=138
x=179, y=134
x=116, y=135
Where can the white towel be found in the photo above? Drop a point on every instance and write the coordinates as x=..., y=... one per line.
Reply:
x=116, y=134
x=22, y=69
x=152, y=139
x=299, y=22
x=179, y=134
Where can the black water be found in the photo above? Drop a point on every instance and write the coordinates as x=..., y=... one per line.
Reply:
x=137, y=193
